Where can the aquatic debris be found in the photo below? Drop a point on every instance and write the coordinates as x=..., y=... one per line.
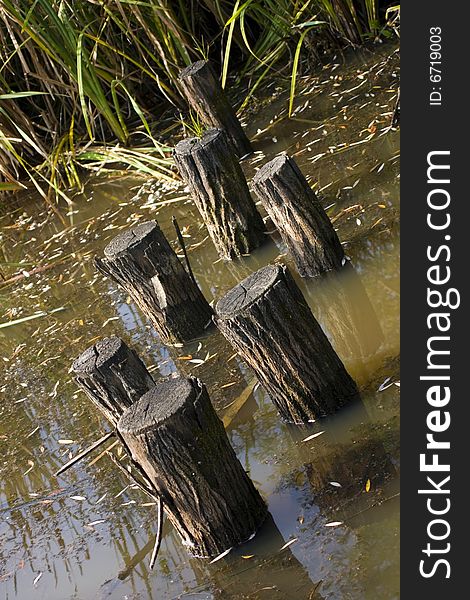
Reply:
x=311, y=437
x=101, y=454
x=78, y=498
x=42, y=313
x=334, y=524
x=109, y=321
x=33, y=432
x=37, y=578
x=227, y=385
x=384, y=385
x=199, y=361
x=84, y=453
x=289, y=543
x=53, y=394
x=97, y=522
x=235, y=407
x=221, y=556
x=335, y=484
x=158, y=537
x=31, y=467
x=122, y=491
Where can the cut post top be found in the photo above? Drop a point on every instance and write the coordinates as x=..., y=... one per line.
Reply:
x=129, y=239
x=271, y=168
x=285, y=170
x=190, y=146
x=248, y=291
x=95, y=357
x=194, y=68
x=157, y=405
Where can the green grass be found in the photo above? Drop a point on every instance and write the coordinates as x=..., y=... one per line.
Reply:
x=93, y=84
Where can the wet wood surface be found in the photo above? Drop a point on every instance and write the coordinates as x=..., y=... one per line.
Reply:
x=267, y=320
x=207, y=98
x=142, y=262
x=174, y=434
x=219, y=189
x=298, y=215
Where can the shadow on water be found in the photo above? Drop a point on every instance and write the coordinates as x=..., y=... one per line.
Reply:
x=88, y=534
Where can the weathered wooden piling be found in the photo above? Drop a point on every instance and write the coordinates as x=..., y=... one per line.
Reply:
x=142, y=261
x=220, y=192
x=174, y=434
x=112, y=375
x=205, y=95
x=266, y=318
x=298, y=215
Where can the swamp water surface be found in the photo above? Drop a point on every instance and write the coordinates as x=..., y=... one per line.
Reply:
x=333, y=532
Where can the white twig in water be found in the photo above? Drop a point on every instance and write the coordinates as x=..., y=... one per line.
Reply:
x=158, y=537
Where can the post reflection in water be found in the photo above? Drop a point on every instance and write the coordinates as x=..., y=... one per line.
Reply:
x=342, y=306
x=255, y=567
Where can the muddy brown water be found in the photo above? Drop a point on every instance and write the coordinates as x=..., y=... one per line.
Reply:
x=87, y=534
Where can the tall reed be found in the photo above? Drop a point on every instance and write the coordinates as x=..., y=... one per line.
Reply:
x=90, y=81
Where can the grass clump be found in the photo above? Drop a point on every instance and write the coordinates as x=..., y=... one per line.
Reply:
x=92, y=83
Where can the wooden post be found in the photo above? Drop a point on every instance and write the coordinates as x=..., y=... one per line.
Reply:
x=298, y=215
x=112, y=375
x=266, y=318
x=205, y=95
x=175, y=436
x=142, y=261
x=219, y=189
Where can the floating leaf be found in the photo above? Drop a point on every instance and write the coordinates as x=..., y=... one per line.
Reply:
x=247, y=556
x=333, y=524
x=335, y=484
x=227, y=385
x=311, y=437
x=384, y=385
x=109, y=321
x=289, y=543
x=79, y=498
x=31, y=467
x=368, y=485
x=220, y=556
